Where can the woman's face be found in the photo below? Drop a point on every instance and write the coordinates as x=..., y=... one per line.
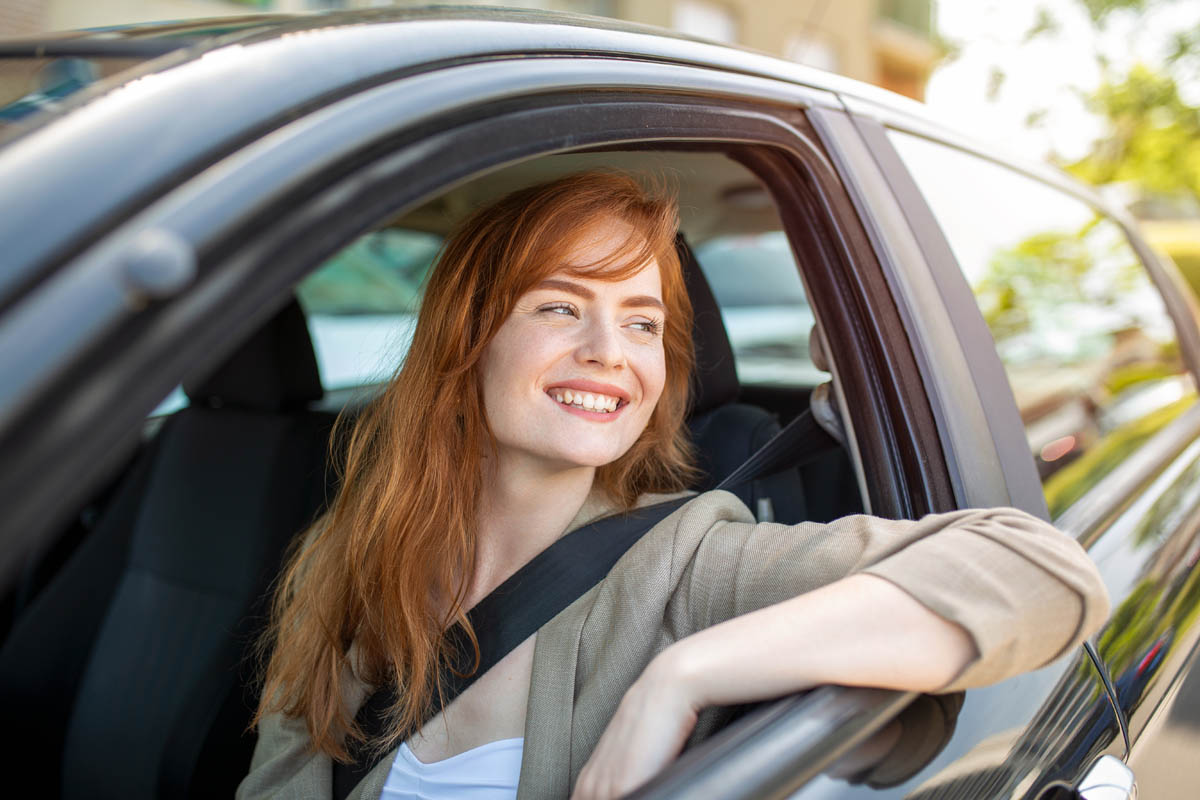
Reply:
x=575, y=371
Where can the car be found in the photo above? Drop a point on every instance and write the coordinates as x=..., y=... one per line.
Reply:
x=215, y=236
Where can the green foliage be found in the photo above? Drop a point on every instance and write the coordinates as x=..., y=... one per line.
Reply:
x=1122, y=378
x=1048, y=271
x=1045, y=23
x=1099, y=9
x=1154, y=139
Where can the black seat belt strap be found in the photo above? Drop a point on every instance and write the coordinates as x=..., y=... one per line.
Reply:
x=801, y=441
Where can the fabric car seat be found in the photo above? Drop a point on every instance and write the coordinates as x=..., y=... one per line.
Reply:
x=124, y=676
x=724, y=431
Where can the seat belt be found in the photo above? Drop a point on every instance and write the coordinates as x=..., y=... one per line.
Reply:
x=800, y=442
x=555, y=578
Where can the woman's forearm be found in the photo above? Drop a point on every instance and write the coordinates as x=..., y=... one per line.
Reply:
x=858, y=631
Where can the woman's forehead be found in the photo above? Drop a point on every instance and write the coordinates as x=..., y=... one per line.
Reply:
x=599, y=239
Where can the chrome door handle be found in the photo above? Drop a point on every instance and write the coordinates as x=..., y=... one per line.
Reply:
x=1108, y=779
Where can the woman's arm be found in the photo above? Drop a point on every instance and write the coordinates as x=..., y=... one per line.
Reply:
x=944, y=603
x=860, y=631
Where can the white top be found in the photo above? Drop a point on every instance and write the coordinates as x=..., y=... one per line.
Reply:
x=487, y=772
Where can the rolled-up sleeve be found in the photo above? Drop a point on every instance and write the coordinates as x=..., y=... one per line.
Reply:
x=1024, y=592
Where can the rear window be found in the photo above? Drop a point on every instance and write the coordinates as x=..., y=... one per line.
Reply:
x=362, y=305
x=756, y=282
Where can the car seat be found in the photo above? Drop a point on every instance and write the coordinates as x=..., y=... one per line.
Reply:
x=121, y=670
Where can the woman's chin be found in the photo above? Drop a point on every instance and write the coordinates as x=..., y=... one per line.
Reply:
x=594, y=458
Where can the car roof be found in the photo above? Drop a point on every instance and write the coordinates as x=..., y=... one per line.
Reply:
x=545, y=32
x=210, y=86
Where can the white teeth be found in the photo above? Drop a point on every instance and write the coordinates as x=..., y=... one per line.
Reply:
x=587, y=401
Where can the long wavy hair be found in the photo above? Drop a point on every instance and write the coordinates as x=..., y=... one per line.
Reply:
x=387, y=568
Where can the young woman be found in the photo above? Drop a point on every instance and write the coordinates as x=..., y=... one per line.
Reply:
x=546, y=386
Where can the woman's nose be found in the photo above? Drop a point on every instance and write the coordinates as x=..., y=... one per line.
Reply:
x=601, y=345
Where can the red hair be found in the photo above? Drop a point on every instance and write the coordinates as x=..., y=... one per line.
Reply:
x=387, y=568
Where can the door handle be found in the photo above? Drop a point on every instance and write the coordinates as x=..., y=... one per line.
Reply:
x=1108, y=779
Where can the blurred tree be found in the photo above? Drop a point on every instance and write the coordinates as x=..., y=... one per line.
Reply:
x=1153, y=137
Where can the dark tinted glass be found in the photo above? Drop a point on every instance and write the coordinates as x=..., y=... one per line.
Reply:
x=1090, y=351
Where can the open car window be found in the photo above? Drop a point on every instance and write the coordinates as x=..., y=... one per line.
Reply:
x=361, y=304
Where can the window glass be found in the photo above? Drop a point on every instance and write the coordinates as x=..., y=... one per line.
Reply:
x=766, y=313
x=362, y=305
x=1083, y=333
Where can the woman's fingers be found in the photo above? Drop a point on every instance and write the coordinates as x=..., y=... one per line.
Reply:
x=647, y=732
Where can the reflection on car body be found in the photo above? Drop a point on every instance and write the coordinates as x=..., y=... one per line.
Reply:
x=1019, y=346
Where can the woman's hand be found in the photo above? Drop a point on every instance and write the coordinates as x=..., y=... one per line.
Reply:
x=648, y=730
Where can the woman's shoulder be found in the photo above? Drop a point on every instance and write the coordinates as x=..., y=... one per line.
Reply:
x=703, y=508
x=701, y=513
x=711, y=506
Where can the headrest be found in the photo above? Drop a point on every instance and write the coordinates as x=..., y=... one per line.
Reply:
x=714, y=382
x=273, y=370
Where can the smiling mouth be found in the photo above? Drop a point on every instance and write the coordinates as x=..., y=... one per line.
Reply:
x=587, y=401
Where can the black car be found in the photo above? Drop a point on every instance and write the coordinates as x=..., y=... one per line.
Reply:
x=214, y=238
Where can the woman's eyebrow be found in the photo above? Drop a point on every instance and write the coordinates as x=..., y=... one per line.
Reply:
x=636, y=301
x=642, y=301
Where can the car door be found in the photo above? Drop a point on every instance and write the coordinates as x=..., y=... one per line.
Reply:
x=1082, y=347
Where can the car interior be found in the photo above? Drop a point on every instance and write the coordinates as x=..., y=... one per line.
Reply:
x=127, y=660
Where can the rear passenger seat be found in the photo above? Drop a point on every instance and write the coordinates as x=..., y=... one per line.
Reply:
x=124, y=677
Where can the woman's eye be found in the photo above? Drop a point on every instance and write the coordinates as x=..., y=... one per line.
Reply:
x=648, y=325
x=563, y=309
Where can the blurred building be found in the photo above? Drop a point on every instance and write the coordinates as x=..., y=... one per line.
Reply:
x=885, y=42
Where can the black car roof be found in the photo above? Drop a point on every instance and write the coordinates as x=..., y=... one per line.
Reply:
x=547, y=33
x=213, y=85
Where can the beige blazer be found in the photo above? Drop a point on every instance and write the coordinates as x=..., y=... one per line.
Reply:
x=1026, y=594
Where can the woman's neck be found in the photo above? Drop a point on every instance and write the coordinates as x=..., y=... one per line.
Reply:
x=522, y=511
